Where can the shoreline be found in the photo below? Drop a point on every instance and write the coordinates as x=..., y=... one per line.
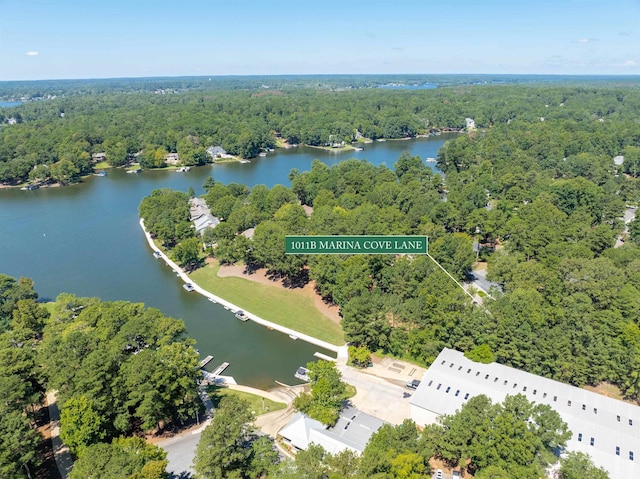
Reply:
x=263, y=322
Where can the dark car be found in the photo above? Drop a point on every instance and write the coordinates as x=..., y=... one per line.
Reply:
x=413, y=384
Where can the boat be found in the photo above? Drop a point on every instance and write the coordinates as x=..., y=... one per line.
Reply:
x=301, y=373
x=137, y=170
x=156, y=254
x=262, y=154
x=189, y=287
x=29, y=187
x=241, y=315
x=358, y=148
x=293, y=336
x=183, y=169
x=100, y=173
x=431, y=160
x=212, y=300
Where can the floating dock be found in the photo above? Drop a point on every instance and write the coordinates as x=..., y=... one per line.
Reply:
x=324, y=356
x=219, y=369
x=205, y=361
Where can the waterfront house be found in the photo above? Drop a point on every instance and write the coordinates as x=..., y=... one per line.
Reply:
x=171, y=158
x=216, y=152
x=201, y=216
x=99, y=157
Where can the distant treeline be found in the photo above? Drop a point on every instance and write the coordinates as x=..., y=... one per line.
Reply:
x=55, y=139
x=44, y=88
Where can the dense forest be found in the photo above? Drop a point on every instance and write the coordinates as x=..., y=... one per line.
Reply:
x=119, y=370
x=542, y=196
x=536, y=185
x=54, y=140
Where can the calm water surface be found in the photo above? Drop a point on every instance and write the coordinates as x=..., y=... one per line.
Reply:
x=85, y=239
x=8, y=104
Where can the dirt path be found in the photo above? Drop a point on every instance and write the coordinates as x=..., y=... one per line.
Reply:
x=260, y=276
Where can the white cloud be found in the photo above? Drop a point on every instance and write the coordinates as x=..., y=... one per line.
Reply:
x=586, y=40
x=630, y=63
x=625, y=34
x=32, y=53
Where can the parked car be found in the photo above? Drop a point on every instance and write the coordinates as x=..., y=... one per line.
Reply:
x=439, y=474
x=413, y=384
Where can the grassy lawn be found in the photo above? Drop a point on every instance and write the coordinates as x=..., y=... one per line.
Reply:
x=272, y=303
x=256, y=403
x=102, y=165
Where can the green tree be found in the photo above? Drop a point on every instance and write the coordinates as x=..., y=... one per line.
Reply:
x=18, y=444
x=64, y=172
x=359, y=356
x=223, y=447
x=481, y=354
x=123, y=458
x=328, y=393
x=187, y=253
x=81, y=424
x=578, y=465
x=264, y=458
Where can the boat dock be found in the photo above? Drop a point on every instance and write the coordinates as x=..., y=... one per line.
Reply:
x=324, y=356
x=205, y=361
x=219, y=369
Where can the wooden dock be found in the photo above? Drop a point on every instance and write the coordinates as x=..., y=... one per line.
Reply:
x=219, y=369
x=205, y=361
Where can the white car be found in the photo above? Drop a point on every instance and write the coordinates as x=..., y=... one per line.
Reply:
x=439, y=474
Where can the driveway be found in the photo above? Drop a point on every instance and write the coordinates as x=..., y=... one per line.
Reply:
x=180, y=453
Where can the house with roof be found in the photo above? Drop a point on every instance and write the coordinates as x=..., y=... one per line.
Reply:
x=607, y=429
x=172, y=158
x=98, y=157
x=217, y=152
x=352, y=431
x=201, y=216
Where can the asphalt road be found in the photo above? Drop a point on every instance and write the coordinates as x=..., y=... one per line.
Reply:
x=378, y=397
x=481, y=282
x=180, y=453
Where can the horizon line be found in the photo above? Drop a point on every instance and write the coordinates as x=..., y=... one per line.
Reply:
x=280, y=75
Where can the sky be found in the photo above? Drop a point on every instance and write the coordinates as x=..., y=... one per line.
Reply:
x=55, y=39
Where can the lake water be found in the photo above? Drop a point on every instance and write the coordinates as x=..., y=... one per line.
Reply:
x=85, y=239
x=8, y=104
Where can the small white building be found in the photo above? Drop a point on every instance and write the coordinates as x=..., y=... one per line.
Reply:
x=605, y=428
x=352, y=431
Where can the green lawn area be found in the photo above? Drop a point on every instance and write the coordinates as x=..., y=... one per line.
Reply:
x=256, y=403
x=101, y=165
x=272, y=303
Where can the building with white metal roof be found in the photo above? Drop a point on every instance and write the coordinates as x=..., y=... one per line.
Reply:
x=607, y=429
x=352, y=431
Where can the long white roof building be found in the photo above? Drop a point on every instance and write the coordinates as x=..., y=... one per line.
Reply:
x=605, y=428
